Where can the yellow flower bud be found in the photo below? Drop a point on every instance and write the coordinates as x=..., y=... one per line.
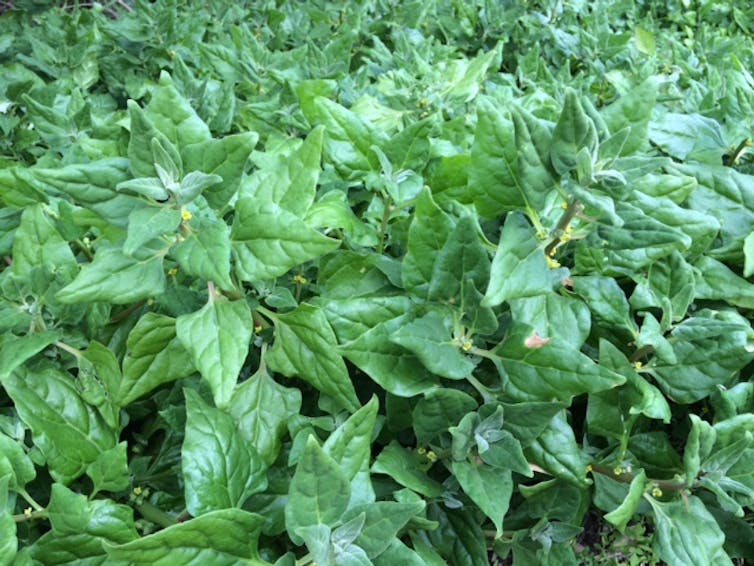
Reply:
x=186, y=215
x=552, y=263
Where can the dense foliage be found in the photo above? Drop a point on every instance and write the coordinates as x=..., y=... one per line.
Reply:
x=380, y=282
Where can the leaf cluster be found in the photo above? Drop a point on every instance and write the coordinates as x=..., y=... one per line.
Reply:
x=375, y=283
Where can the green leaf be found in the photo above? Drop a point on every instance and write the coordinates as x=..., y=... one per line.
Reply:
x=399, y=553
x=467, y=86
x=109, y=472
x=686, y=533
x=606, y=300
x=70, y=433
x=510, y=161
x=714, y=280
x=261, y=409
x=333, y=210
x=574, y=131
x=73, y=514
x=220, y=469
x=37, y=243
x=437, y=411
x=148, y=223
x=489, y=488
x=92, y=185
x=554, y=315
x=392, y=367
x=348, y=137
x=552, y=370
x=319, y=491
x=193, y=184
x=645, y=41
x=689, y=137
x=154, y=356
x=621, y=515
x=117, y=278
x=519, y=268
x=728, y=196
x=143, y=131
x=459, y=537
x=205, y=251
x=221, y=538
x=305, y=346
x=290, y=181
x=217, y=338
x=403, y=467
x=710, y=349
x=149, y=187
x=557, y=452
x=633, y=110
x=225, y=157
x=749, y=255
x=15, y=465
x=268, y=241
x=444, y=257
x=172, y=115
x=15, y=350
x=640, y=241
x=430, y=339
x=8, y=540
x=382, y=522
x=350, y=444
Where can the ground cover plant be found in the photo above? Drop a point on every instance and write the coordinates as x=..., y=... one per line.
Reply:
x=380, y=282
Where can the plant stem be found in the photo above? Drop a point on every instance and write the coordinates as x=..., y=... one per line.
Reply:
x=573, y=208
x=70, y=349
x=22, y=517
x=481, y=388
x=155, y=515
x=85, y=250
x=627, y=477
x=386, y=212
x=126, y=313
x=30, y=500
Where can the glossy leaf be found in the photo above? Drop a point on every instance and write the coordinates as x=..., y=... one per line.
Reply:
x=268, y=241
x=217, y=339
x=319, y=491
x=519, y=268
x=70, y=433
x=221, y=537
x=305, y=346
x=261, y=409
x=117, y=278
x=154, y=356
x=220, y=469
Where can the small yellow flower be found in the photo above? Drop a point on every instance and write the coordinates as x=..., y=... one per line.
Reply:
x=300, y=279
x=431, y=456
x=617, y=470
x=638, y=366
x=186, y=215
x=589, y=468
x=27, y=512
x=258, y=328
x=466, y=346
x=173, y=271
x=421, y=450
x=656, y=492
x=137, y=490
x=552, y=263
